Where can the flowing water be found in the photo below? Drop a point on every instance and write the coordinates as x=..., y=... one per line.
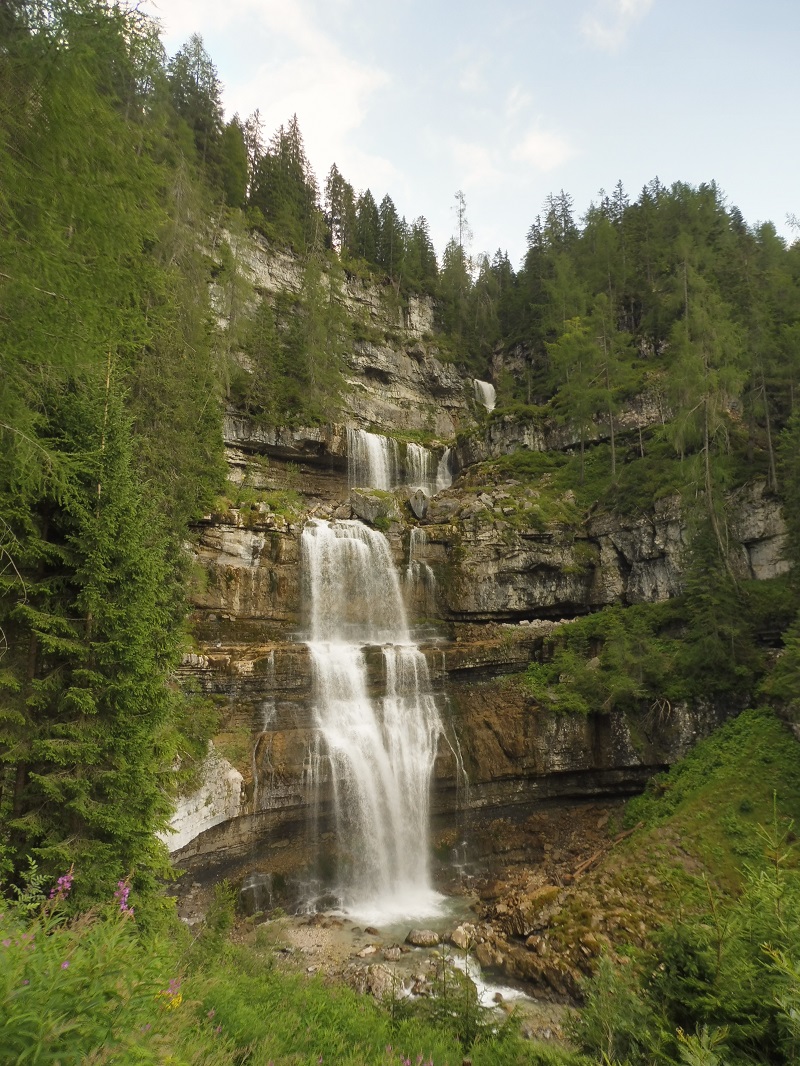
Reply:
x=420, y=468
x=484, y=393
x=420, y=579
x=378, y=747
x=373, y=461
x=444, y=471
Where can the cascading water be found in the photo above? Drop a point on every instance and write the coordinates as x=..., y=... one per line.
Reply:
x=420, y=579
x=372, y=460
x=420, y=468
x=444, y=471
x=484, y=393
x=380, y=749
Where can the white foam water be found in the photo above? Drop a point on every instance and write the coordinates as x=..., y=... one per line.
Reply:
x=485, y=393
x=444, y=471
x=372, y=460
x=379, y=747
x=420, y=468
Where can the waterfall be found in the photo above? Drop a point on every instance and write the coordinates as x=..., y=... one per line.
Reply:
x=420, y=579
x=484, y=393
x=262, y=749
x=420, y=471
x=372, y=460
x=380, y=747
x=444, y=471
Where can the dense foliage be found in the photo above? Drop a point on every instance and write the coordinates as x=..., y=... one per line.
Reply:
x=110, y=437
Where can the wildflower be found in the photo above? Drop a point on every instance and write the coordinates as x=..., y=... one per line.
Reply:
x=65, y=964
x=26, y=981
x=61, y=888
x=6, y=943
x=146, y=1028
x=171, y=996
x=211, y=1013
x=121, y=896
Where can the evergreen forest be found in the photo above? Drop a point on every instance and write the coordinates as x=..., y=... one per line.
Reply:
x=124, y=195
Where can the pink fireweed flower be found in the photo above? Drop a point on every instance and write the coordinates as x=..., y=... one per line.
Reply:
x=63, y=885
x=121, y=896
x=65, y=964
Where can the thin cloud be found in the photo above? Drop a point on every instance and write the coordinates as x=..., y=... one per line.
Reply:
x=475, y=163
x=608, y=25
x=543, y=150
x=517, y=101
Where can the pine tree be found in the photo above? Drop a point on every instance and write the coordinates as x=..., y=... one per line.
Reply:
x=367, y=228
x=94, y=640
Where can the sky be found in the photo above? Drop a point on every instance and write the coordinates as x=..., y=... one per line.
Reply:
x=511, y=100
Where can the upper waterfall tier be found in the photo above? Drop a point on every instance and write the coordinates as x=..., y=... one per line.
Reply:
x=485, y=393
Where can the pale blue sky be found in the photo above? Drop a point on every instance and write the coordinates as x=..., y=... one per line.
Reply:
x=512, y=100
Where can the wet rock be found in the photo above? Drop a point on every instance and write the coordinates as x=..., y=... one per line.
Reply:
x=488, y=955
x=392, y=954
x=255, y=895
x=372, y=931
x=423, y=938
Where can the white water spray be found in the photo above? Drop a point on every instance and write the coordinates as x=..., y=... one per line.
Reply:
x=420, y=468
x=380, y=749
x=372, y=460
x=484, y=393
x=444, y=471
x=420, y=579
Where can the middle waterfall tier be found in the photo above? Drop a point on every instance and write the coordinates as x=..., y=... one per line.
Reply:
x=378, y=747
x=375, y=461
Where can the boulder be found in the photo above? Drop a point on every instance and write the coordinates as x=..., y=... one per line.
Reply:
x=371, y=504
x=464, y=936
x=423, y=938
x=418, y=502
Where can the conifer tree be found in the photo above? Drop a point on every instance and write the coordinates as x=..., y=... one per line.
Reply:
x=367, y=228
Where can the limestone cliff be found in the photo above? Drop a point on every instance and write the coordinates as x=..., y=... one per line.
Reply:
x=491, y=568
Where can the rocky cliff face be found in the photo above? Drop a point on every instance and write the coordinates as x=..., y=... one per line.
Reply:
x=491, y=570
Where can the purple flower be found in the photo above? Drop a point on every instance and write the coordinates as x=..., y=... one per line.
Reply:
x=65, y=964
x=6, y=943
x=121, y=896
x=62, y=886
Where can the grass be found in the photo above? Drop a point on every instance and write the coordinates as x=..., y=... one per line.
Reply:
x=716, y=798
